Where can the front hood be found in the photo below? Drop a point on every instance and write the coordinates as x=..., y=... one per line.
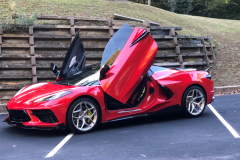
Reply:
x=33, y=92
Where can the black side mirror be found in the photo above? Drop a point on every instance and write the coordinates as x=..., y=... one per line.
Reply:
x=54, y=69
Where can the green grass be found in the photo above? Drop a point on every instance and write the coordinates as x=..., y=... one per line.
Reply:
x=225, y=32
x=192, y=25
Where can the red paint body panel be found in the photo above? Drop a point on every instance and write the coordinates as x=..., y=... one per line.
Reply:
x=130, y=67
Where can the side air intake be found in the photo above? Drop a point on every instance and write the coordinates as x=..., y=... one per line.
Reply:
x=167, y=91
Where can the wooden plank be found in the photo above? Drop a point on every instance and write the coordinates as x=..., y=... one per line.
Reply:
x=92, y=27
x=11, y=87
x=167, y=64
x=15, y=35
x=14, y=66
x=194, y=63
x=15, y=45
x=165, y=46
x=51, y=26
x=17, y=77
x=48, y=17
x=193, y=54
x=6, y=98
x=159, y=37
x=53, y=37
x=118, y=16
x=154, y=28
x=191, y=45
x=192, y=37
x=166, y=55
x=51, y=46
x=14, y=56
x=65, y=46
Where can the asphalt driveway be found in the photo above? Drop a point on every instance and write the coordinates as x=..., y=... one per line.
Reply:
x=168, y=136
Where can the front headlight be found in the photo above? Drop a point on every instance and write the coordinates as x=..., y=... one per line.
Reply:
x=53, y=96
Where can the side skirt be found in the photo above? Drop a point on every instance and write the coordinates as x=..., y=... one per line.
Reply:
x=172, y=108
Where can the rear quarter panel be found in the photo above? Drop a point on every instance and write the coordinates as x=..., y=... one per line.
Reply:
x=178, y=81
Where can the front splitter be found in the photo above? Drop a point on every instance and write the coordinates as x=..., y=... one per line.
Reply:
x=20, y=124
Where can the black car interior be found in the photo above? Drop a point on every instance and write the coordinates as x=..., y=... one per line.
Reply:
x=135, y=99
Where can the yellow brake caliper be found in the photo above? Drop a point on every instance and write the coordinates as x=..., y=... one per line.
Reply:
x=89, y=113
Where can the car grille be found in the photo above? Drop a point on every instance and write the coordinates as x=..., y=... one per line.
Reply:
x=19, y=115
x=45, y=115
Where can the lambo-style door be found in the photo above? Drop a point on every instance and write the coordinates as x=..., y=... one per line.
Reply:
x=74, y=60
x=126, y=59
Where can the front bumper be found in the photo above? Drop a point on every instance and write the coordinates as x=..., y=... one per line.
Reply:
x=12, y=122
x=43, y=119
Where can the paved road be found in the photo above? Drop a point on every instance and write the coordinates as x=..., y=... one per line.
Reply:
x=167, y=136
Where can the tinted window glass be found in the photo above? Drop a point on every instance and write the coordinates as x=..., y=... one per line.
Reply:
x=116, y=43
x=87, y=76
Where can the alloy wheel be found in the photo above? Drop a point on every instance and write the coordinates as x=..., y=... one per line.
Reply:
x=84, y=116
x=195, y=102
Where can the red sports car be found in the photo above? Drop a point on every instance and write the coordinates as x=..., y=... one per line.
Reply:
x=126, y=84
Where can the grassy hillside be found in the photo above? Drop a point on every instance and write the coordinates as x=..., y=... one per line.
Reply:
x=225, y=32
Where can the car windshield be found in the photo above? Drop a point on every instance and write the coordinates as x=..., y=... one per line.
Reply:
x=87, y=76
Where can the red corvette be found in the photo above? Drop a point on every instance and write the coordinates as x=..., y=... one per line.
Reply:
x=126, y=84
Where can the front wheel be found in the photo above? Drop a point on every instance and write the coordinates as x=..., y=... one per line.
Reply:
x=193, y=101
x=83, y=116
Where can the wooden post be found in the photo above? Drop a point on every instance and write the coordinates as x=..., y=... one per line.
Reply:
x=72, y=29
x=110, y=24
x=211, y=49
x=0, y=44
x=1, y=32
x=32, y=54
x=146, y=24
x=205, y=58
x=172, y=32
x=149, y=2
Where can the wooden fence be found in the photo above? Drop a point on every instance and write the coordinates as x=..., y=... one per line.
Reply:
x=25, y=58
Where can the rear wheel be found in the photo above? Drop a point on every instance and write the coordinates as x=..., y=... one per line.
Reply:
x=193, y=101
x=83, y=116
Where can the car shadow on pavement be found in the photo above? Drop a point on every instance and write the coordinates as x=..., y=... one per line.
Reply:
x=13, y=130
x=147, y=120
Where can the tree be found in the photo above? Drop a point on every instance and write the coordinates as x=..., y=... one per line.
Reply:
x=180, y=6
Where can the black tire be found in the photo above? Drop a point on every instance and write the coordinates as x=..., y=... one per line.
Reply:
x=71, y=122
x=187, y=108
